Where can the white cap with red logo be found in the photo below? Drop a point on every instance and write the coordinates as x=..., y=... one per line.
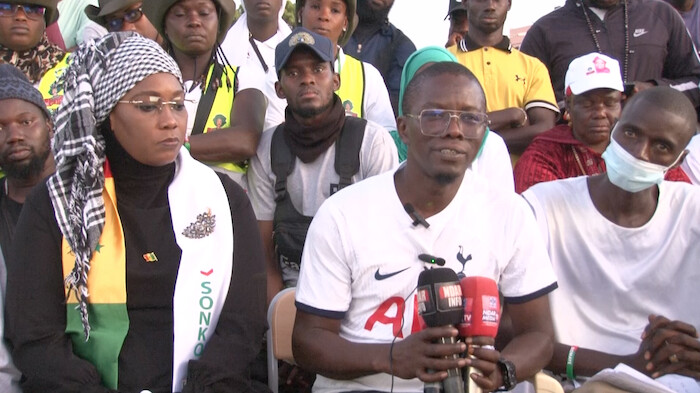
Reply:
x=593, y=71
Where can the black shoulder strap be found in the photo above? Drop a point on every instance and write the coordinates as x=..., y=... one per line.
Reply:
x=347, y=150
x=281, y=161
x=206, y=102
x=347, y=155
x=364, y=91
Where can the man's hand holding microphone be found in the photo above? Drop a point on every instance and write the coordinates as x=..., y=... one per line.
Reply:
x=471, y=304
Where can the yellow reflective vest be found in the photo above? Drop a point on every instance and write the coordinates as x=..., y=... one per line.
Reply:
x=50, y=89
x=352, y=87
x=220, y=113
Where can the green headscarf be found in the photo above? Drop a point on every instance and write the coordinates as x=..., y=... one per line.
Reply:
x=419, y=58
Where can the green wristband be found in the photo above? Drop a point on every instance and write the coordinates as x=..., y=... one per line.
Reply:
x=187, y=146
x=570, y=363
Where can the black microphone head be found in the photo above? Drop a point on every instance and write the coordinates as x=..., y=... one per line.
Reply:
x=440, y=297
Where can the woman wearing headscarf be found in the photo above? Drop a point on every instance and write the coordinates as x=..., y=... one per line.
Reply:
x=25, y=45
x=492, y=160
x=193, y=30
x=136, y=267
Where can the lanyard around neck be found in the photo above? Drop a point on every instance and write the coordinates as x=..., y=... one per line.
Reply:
x=593, y=31
x=257, y=52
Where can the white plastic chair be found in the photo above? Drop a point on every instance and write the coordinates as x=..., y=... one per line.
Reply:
x=280, y=319
x=546, y=384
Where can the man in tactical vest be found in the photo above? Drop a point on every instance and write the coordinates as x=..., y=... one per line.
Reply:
x=317, y=151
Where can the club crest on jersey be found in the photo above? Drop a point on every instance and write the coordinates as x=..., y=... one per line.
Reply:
x=462, y=259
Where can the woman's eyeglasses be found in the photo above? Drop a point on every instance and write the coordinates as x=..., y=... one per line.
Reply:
x=153, y=104
x=130, y=16
x=33, y=12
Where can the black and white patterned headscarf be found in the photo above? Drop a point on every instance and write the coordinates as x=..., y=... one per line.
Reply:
x=100, y=73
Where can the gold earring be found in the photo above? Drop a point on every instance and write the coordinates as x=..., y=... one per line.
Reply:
x=567, y=118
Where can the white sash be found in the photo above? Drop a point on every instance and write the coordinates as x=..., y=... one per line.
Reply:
x=206, y=264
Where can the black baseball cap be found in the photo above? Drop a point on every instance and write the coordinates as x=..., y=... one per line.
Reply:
x=321, y=45
x=454, y=6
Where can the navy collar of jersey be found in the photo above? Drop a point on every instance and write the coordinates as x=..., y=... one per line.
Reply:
x=468, y=44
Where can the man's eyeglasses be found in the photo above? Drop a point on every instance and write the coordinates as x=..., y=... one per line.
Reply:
x=153, y=104
x=33, y=12
x=434, y=122
x=130, y=16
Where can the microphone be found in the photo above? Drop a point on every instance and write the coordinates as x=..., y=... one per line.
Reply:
x=439, y=297
x=481, y=315
x=417, y=218
x=427, y=258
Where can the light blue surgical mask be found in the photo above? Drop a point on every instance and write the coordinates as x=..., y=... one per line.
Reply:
x=628, y=172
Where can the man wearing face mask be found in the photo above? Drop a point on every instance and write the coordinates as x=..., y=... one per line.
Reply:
x=624, y=246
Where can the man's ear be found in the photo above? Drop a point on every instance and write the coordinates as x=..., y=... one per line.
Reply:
x=49, y=127
x=402, y=129
x=336, y=81
x=279, y=91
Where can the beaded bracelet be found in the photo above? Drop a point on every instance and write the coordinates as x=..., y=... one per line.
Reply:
x=570, y=363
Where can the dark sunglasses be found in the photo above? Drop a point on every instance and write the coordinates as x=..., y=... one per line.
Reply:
x=130, y=16
x=33, y=12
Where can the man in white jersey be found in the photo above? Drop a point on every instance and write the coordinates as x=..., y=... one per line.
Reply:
x=625, y=246
x=361, y=263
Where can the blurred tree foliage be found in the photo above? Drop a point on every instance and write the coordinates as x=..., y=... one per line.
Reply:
x=239, y=12
x=287, y=16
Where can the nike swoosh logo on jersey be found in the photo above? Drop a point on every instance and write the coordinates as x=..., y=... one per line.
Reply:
x=639, y=32
x=379, y=277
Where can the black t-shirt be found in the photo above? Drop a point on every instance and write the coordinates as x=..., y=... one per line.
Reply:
x=9, y=215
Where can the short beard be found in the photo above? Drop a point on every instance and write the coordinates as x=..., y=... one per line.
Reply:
x=489, y=30
x=445, y=179
x=308, y=113
x=485, y=29
x=33, y=168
